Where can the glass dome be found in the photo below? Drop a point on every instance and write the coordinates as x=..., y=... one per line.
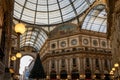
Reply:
x=96, y=20
x=49, y=12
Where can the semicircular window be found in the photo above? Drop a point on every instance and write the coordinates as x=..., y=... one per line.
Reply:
x=47, y=12
x=96, y=20
x=33, y=37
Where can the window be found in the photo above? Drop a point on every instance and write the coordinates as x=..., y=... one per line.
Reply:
x=53, y=64
x=87, y=62
x=53, y=45
x=63, y=62
x=74, y=62
x=105, y=63
x=97, y=63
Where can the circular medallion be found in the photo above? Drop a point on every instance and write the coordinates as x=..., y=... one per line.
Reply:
x=63, y=44
x=85, y=41
x=74, y=42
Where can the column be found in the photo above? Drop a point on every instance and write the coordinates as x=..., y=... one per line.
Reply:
x=49, y=66
x=108, y=63
x=90, y=59
x=93, y=64
x=103, y=66
x=82, y=65
x=100, y=64
x=69, y=69
x=56, y=66
x=57, y=69
x=48, y=69
x=78, y=62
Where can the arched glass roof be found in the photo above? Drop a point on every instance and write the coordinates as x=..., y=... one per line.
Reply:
x=96, y=20
x=33, y=37
x=47, y=12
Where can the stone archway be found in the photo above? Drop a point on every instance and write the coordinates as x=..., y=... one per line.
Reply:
x=24, y=62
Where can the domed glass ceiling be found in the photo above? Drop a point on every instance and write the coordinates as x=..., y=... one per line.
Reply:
x=96, y=20
x=33, y=37
x=49, y=12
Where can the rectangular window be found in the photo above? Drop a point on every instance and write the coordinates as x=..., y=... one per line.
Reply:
x=53, y=64
x=87, y=62
x=74, y=62
x=105, y=63
x=63, y=62
x=97, y=63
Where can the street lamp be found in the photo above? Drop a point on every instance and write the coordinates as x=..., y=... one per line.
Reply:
x=116, y=65
x=19, y=29
x=111, y=74
x=13, y=58
x=18, y=55
x=113, y=69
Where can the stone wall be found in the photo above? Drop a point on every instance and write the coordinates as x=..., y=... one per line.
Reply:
x=114, y=28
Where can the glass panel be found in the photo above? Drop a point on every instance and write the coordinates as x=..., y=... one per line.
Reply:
x=33, y=1
x=27, y=18
x=17, y=15
x=53, y=7
x=18, y=7
x=42, y=2
x=52, y=2
x=20, y=1
x=69, y=16
x=54, y=14
x=41, y=7
x=29, y=13
x=55, y=20
x=82, y=8
x=64, y=3
x=95, y=27
x=78, y=3
x=67, y=9
x=30, y=6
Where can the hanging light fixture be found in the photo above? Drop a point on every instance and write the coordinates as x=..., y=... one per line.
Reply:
x=20, y=28
x=13, y=58
x=18, y=55
x=116, y=65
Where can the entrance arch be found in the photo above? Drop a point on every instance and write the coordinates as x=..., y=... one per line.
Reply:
x=24, y=62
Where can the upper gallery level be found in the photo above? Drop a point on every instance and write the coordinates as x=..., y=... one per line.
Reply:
x=68, y=39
